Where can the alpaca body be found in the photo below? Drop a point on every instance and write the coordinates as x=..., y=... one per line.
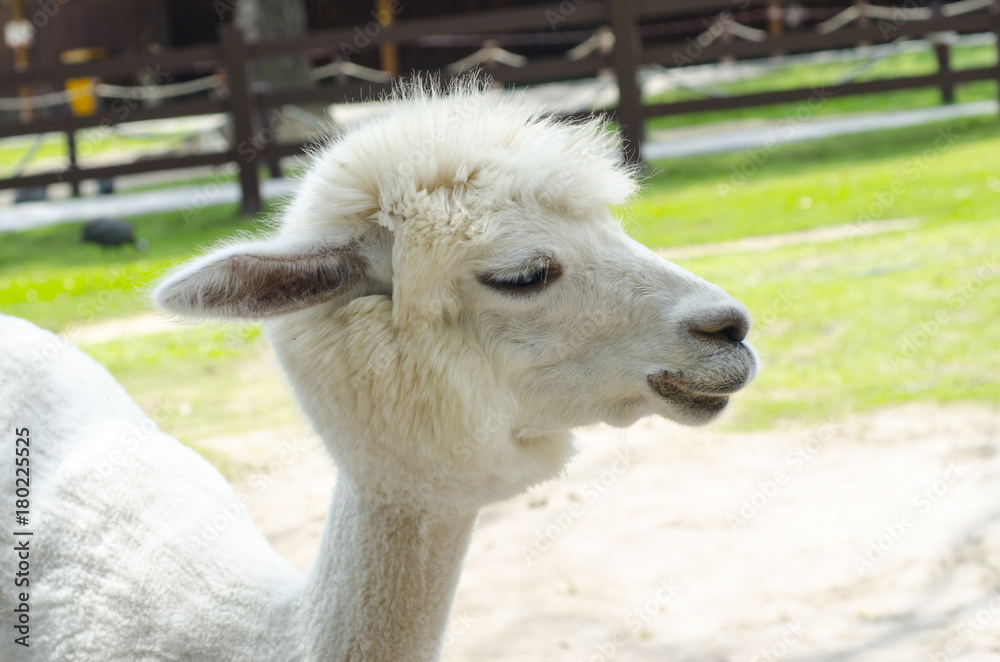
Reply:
x=142, y=575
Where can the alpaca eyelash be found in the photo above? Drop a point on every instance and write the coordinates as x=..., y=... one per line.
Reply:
x=523, y=281
x=528, y=281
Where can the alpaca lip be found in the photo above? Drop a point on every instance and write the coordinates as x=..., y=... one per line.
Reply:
x=671, y=388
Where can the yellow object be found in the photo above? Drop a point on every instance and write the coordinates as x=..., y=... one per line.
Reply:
x=82, y=100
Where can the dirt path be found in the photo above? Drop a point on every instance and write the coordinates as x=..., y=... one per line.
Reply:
x=124, y=327
x=871, y=539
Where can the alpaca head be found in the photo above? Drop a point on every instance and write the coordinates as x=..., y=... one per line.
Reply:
x=449, y=294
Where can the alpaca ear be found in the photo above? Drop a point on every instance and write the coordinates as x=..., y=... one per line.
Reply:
x=261, y=279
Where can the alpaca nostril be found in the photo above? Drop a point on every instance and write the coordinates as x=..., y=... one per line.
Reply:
x=732, y=328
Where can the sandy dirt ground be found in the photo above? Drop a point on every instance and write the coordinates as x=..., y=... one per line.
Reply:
x=875, y=538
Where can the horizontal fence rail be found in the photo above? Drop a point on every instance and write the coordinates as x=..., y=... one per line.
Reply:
x=614, y=37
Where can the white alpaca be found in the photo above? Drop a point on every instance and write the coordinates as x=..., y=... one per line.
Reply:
x=448, y=295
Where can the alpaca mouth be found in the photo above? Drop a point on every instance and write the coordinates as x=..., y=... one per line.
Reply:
x=670, y=387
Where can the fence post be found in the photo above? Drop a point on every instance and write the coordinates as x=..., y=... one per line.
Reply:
x=73, y=167
x=267, y=125
x=627, y=45
x=775, y=23
x=942, y=50
x=234, y=56
x=725, y=36
x=863, y=21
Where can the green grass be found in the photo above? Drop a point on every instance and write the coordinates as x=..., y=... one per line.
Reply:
x=202, y=382
x=868, y=322
x=820, y=75
x=89, y=142
x=938, y=173
x=47, y=276
x=196, y=382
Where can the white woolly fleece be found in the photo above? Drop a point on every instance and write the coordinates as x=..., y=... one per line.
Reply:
x=124, y=564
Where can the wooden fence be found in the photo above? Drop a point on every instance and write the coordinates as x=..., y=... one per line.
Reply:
x=728, y=33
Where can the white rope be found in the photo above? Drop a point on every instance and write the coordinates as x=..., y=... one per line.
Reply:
x=965, y=7
x=111, y=91
x=350, y=69
x=157, y=91
x=746, y=32
x=41, y=100
x=602, y=41
x=488, y=54
x=838, y=21
x=898, y=13
x=889, y=50
x=723, y=25
x=882, y=13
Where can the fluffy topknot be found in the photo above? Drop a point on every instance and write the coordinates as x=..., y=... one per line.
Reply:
x=486, y=145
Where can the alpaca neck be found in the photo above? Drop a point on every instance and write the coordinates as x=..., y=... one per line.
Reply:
x=383, y=580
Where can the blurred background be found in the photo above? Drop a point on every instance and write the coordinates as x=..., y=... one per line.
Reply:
x=833, y=164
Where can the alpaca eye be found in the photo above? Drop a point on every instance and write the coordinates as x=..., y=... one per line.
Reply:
x=528, y=279
x=523, y=282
